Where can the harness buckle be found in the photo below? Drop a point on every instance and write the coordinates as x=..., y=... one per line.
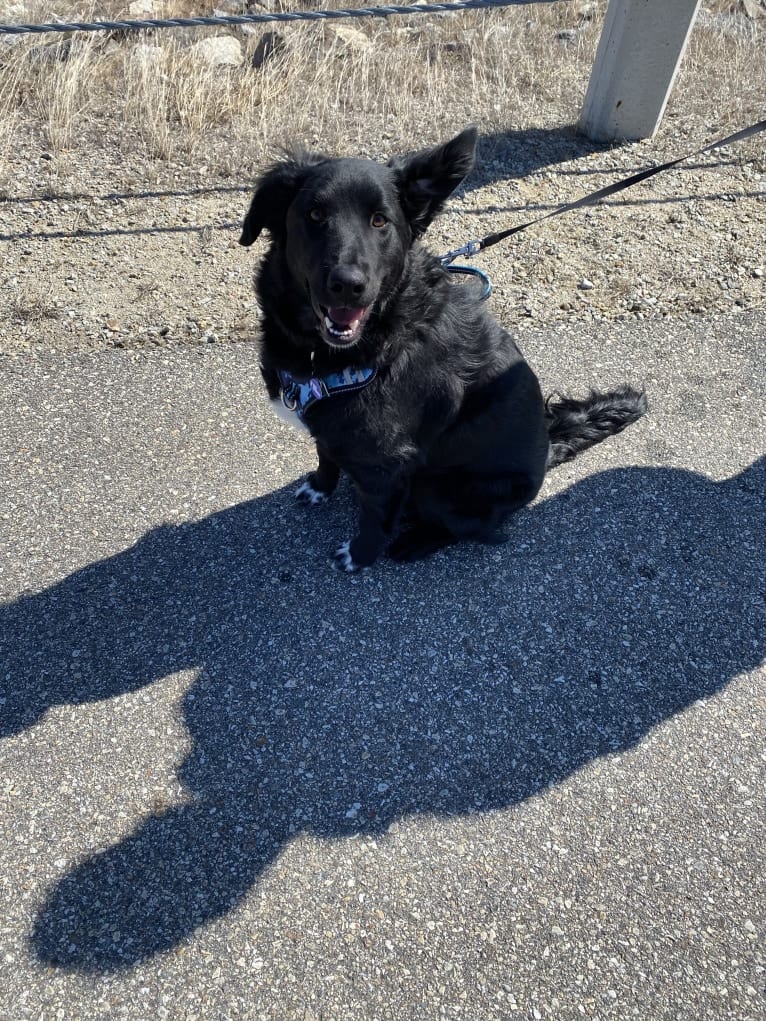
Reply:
x=318, y=388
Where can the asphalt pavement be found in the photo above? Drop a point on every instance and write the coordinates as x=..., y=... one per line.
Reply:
x=518, y=781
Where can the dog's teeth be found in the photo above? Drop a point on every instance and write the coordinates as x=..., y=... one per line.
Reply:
x=348, y=331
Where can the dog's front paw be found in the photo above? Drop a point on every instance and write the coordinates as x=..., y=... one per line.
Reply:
x=310, y=497
x=344, y=561
x=355, y=555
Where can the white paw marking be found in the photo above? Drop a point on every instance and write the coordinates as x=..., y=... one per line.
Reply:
x=343, y=558
x=307, y=494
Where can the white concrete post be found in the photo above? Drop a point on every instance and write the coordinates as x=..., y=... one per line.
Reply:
x=636, y=63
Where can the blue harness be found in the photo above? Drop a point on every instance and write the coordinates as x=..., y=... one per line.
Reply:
x=299, y=395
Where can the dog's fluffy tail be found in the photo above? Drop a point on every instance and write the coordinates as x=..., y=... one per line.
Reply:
x=576, y=425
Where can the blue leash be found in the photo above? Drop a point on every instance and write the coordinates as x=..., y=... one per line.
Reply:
x=473, y=272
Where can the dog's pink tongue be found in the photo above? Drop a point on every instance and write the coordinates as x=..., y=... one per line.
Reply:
x=345, y=316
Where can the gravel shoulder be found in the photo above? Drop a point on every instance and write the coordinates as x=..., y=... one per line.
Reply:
x=142, y=265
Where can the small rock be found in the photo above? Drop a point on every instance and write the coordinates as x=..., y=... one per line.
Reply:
x=585, y=284
x=747, y=8
x=458, y=46
x=351, y=38
x=463, y=49
x=269, y=45
x=218, y=51
x=140, y=9
x=735, y=26
x=50, y=53
x=7, y=41
x=145, y=53
x=228, y=7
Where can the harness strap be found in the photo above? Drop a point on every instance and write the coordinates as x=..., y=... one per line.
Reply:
x=299, y=395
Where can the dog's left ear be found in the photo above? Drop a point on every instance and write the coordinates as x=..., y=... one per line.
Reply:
x=428, y=178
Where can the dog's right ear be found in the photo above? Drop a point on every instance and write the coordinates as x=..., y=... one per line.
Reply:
x=273, y=195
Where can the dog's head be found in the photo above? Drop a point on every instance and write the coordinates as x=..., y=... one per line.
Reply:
x=344, y=226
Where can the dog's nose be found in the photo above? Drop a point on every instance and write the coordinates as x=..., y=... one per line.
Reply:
x=346, y=284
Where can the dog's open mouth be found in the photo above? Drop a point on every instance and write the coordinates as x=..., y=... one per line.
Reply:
x=342, y=326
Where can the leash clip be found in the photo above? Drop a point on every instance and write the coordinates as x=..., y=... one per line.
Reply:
x=468, y=249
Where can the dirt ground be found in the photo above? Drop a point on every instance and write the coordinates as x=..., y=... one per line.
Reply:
x=105, y=245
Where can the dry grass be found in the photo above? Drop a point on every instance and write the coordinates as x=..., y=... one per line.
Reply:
x=33, y=302
x=723, y=75
x=174, y=103
x=65, y=89
x=417, y=75
x=418, y=78
x=9, y=124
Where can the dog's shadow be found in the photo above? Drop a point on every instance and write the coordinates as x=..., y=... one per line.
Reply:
x=335, y=706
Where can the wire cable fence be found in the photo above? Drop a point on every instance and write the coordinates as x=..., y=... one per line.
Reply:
x=267, y=17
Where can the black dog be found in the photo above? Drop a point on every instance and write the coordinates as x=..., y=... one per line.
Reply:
x=404, y=380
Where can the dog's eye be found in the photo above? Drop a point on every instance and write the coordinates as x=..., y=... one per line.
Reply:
x=378, y=220
x=318, y=215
